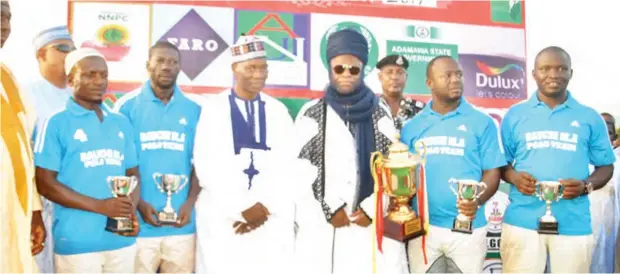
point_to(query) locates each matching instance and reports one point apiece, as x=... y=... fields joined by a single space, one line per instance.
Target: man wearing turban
x=337 y=134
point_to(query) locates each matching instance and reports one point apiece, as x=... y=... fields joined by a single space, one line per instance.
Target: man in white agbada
x=337 y=134
x=50 y=94
x=245 y=211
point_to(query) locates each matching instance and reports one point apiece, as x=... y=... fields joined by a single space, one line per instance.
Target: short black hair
x=429 y=67
x=554 y=49
x=607 y=114
x=163 y=45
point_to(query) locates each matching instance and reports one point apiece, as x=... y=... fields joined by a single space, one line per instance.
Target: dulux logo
x=491 y=77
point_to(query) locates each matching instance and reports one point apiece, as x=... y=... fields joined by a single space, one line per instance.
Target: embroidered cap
x=49 y=35
x=77 y=55
x=248 y=47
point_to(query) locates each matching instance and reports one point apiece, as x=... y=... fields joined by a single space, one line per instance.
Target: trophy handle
x=483 y=188
x=156 y=177
x=109 y=181
x=537 y=191
x=420 y=148
x=185 y=181
x=451 y=182
x=134 y=184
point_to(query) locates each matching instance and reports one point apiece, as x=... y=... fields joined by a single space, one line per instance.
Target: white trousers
x=170 y=254
x=113 y=261
x=468 y=251
x=525 y=251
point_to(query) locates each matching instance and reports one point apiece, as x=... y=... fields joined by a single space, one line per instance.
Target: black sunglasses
x=353 y=70
x=66 y=48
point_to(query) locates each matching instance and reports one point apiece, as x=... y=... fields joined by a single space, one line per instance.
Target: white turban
x=75 y=56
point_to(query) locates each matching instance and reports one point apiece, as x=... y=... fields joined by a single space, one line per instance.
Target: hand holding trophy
x=169 y=184
x=121 y=186
x=465 y=190
x=548 y=191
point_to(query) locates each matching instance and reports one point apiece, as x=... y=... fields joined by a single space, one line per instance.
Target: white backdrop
x=584 y=30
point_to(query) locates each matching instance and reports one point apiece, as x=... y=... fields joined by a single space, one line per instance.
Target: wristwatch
x=588 y=189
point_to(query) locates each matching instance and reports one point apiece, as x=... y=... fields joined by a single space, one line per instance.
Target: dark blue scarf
x=356 y=109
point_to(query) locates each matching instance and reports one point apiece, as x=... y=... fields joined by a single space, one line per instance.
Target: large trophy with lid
x=396 y=175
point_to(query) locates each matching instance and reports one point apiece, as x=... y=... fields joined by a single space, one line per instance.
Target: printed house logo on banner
x=506 y=11
x=198 y=43
x=112 y=38
x=373 y=47
x=287 y=41
x=493 y=77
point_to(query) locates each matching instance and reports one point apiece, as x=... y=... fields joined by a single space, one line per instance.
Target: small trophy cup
x=169 y=184
x=120 y=186
x=398 y=174
x=465 y=190
x=548 y=191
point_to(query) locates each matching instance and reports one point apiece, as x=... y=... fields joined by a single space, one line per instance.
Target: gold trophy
x=549 y=191
x=398 y=174
x=169 y=184
x=465 y=190
x=121 y=186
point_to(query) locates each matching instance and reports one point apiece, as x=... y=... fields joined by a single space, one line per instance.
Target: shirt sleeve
x=490 y=149
x=131 y=155
x=600 y=152
x=508 y=138
x=48 y=149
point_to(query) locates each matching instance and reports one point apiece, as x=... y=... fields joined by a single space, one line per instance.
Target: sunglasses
x=66 y=48
x=353 y=70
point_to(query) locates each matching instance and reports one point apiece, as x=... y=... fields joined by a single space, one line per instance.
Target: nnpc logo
x=492 y=77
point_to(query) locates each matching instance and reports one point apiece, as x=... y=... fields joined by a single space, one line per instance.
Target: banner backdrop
x=488 y=40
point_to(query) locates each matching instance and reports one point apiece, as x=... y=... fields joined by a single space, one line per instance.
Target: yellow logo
x=113 y=34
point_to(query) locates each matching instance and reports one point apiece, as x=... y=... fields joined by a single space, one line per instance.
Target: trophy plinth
x=398 y=174
x=169 y=184
x=549 y=192
x=465 y=190
x=121 y=186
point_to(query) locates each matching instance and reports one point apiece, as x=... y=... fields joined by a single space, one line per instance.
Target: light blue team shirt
x=553 y=144
x=460 y=144
x=165 y=144
x=85 y=151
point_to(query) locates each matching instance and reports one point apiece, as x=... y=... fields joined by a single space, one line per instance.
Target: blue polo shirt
x=85 y=151
x=165 y=144
x=554 y=144
x=460 y=144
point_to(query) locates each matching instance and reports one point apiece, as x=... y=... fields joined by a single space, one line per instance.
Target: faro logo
x=510 y=76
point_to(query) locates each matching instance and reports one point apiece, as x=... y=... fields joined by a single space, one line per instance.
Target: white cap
x=77 y=55
x=248 y=47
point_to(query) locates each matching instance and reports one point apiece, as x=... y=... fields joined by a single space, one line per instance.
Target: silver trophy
x=169 y=184
x=121 y=186
x=465 y=190
x=549 y=191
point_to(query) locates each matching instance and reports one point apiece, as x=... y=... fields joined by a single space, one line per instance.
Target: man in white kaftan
x=337 y=133
x=243 y=161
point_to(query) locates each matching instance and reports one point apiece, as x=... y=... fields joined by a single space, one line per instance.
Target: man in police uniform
x=393 y=77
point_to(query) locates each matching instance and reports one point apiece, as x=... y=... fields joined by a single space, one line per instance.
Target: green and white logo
x=373 y=47
x=507 y=11
x=423 y=32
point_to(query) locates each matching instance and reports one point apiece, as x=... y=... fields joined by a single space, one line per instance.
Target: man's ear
x=71 y=77
x=41 y=54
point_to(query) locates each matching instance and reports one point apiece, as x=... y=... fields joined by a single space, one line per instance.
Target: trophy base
x=167 y=218
x=462 y=226
x=403 y=231
x=116 y=225
x=550 y=228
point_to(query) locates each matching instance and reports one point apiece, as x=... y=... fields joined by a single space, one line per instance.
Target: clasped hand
x=526 y=184
x=254 y=217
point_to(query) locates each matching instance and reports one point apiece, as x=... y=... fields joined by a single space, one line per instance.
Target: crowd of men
x=235 y=185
